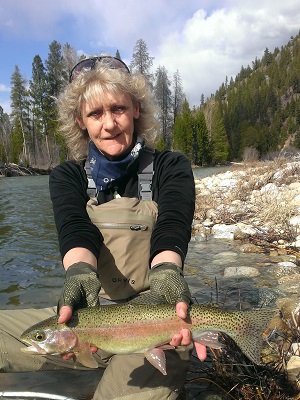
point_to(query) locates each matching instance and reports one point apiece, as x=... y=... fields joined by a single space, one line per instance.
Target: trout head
x=48 y=338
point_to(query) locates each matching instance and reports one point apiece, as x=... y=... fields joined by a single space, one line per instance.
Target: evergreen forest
x=256 y=115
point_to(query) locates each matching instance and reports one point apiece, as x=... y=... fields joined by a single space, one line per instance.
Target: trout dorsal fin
x=84 y=355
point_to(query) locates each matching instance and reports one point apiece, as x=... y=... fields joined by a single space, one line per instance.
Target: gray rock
x=285 y=268
x=222 y=231
x=249 y=272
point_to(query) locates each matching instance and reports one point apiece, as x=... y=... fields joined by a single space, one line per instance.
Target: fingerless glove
x=81 y=287
x=166 y=279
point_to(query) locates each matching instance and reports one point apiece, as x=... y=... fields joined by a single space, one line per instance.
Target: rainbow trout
x=138 y=328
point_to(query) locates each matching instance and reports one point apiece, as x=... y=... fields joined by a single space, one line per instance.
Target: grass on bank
x=269 y=211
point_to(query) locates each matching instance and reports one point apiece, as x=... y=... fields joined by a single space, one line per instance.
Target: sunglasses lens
x=84 y=64
x=113 y=63
x=89 y=63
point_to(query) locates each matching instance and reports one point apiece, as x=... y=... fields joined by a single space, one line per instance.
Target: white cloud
x=5 y=98
x=5 y=104
x=4 y=88
x=211 y=47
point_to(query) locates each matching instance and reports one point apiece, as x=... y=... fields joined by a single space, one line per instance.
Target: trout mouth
x=33 y=349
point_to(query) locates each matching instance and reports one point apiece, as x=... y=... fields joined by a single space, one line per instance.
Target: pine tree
x=220 y=146
x=201 y=145
x=178 y=95
x=57 y=78
x=5 y=136
x=141 y=60
x=20 y=114
x=70 y=58
x=183 y=131
x=56 y=71
x=267 y=58
x=38 y=94
x=118 y=55
x=202 y=100
x=163 y=97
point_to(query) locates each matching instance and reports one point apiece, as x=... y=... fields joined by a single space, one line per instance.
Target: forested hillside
x=255 y=115
x=261 y=107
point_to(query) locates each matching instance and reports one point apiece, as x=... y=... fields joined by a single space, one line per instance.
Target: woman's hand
x=184 y=338
x=80 y=290
x=167 y=280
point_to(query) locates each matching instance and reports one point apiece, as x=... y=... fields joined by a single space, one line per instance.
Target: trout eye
x=40 y=336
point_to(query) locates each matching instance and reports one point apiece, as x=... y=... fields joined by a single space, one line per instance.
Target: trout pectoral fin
x=208 y=338
x=84 y=355
x=157 y=358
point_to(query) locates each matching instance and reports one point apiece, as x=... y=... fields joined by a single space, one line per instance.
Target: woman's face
x=110 y=123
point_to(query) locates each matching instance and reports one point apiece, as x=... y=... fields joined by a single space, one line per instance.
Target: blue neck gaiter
x=105 y=171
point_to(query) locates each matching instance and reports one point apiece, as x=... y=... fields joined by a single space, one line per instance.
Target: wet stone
x=241 y=271
x=290 y=287
x=250 y=248
x=289 y=278
x=285 y=268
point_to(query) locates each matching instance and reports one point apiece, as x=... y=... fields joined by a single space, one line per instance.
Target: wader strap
x=145 y=174
x=92 y=189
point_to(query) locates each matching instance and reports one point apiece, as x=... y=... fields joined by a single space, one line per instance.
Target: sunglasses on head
x=89 y=63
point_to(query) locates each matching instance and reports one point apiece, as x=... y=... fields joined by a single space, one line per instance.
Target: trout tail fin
x=249 y=334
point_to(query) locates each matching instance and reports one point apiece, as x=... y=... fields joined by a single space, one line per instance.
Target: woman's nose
x=108 y=119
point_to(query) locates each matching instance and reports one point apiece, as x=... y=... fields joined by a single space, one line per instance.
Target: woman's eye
x=118 y=110
x=96 y=114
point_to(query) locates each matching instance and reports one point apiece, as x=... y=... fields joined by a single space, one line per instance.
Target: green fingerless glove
x=167 y=279
x=81 y=287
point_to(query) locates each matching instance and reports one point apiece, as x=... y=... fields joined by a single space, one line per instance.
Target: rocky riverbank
x=259 y=205
x=11 y=169
x=259 y=201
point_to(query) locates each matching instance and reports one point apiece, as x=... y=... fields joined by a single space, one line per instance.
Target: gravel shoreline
x=258 y=204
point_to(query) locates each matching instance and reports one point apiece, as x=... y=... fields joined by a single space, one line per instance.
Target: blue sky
x=206 y=40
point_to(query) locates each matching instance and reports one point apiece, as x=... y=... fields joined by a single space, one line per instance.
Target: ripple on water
x=204 y=270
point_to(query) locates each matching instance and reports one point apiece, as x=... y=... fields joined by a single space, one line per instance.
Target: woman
x=108 y=112
x=107 y=117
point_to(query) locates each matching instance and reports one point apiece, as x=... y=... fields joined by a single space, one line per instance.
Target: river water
x=31 y=274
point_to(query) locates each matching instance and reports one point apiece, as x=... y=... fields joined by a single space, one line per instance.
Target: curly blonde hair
x=90 y=86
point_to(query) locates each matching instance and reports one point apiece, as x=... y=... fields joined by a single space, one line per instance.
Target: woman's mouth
x=112 y=137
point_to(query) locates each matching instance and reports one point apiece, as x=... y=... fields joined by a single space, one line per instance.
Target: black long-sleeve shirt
x=173 y=189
